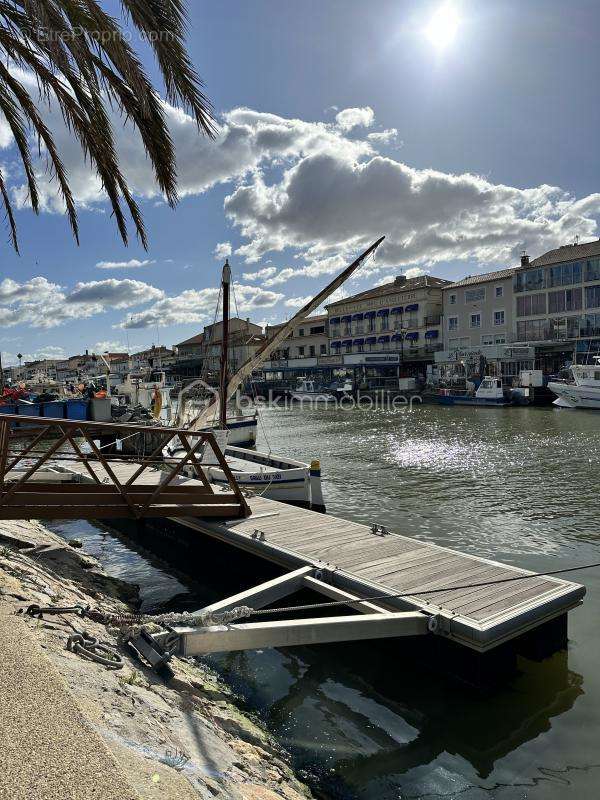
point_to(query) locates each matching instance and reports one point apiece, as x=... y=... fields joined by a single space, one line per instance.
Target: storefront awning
x=397 y=310
x=369 y=314
x=383 y=339
x=347 y=343
x=432 y=334
x=383 y=312
x=336 y=344
x=397 y=337
x=371 y=339
x=357 y=316
x=347 y=318
x=334 y=321
x=359 y=341
x=414 y=335
x=412 y=307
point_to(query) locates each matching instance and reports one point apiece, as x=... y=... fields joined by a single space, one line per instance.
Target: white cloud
x=40 y=303
x=109 y=346
x=265 y=272
x=387 y=136
x=198 y=306
x=132 y=263
x=325 y=205
x=297 y=302
x=222 y=250
x=329 y=195
x=49 y=351
x=351 y=118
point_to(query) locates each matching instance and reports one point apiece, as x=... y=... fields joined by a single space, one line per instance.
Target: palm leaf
x=83 y=63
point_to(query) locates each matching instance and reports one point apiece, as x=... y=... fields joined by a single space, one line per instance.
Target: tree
x=82 y=61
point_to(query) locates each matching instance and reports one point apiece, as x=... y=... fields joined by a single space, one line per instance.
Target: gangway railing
x=118 y=486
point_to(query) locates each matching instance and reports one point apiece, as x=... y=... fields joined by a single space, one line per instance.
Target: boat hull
x=241 y=431
x=573 y=396
x=465 y=400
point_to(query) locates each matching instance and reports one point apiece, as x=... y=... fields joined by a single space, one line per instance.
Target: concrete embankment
x=73 y=729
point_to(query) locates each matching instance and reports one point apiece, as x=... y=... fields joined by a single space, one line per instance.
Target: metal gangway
x=33 y=485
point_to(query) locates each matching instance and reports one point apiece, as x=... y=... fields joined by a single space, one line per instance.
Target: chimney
x=524 y=259
x=399 y=280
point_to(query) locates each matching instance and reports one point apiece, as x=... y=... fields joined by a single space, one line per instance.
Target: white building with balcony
x=400 y=319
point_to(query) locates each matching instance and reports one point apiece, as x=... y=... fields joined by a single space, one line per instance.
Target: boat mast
x=225 y=284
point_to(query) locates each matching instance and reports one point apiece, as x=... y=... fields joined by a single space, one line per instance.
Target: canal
x=517 y=485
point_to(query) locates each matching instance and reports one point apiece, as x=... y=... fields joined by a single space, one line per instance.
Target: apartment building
x=478 y=315
x=478 y=310
x=400 y=320
x=557 y=303
x=308 y=339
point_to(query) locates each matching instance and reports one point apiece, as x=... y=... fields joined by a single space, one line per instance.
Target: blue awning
x=432 y=334
x=397 y=337
x=359 y=341
x=334 y=321
x=369 y=314
x=336 y=344
x=412 y=307
x=414 y=335
x=383 y=312
x=383 y=339
x=397 y=310
x=371 y=339
x=357 y=316
x=347 y=343
x=347 y=318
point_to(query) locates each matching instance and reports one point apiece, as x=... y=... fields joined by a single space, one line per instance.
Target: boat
x=583 y=391
x=307 y=390
x=490 y=392
x=268 y=474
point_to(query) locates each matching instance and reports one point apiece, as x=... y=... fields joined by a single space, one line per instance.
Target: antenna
x=577 y=239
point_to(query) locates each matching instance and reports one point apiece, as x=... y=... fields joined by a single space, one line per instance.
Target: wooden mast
x=225 y=284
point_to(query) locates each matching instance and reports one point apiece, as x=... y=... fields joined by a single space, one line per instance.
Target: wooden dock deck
x=352 y=557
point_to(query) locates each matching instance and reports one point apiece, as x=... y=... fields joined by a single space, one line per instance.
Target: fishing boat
x=583 y=391
x=268 y=474
x=490 y=392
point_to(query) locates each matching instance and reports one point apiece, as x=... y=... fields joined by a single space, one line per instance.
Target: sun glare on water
x=443 y=26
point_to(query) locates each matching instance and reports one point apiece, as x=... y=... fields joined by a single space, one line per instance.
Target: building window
x=335 y=332
x=592 y=269
x=592 y=296
x=476 y=320
x=486 y=341
x=300 y=351
x=301 y=332
x=323 y=349
x=371 y=324
x=500 y=339
x=565 y=274
x=311 y=350
x=531 y=304
x=473 y=295
x=452 y=323
x=452 y=299
x=499 y=291
x=498 y=317
x=564 y=300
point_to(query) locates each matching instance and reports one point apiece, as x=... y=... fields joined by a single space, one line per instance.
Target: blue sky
x=340 y=121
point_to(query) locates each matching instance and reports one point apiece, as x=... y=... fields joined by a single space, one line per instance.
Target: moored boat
x=583 y=391
x=490 y=393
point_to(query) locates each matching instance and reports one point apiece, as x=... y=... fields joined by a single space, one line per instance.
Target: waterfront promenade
x=47 y=749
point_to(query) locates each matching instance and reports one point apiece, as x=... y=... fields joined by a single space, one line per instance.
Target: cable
x=337 y=603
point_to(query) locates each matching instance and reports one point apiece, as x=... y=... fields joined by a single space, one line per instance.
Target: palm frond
x=84 y=64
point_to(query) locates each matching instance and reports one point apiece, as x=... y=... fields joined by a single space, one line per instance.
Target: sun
x=443 y=26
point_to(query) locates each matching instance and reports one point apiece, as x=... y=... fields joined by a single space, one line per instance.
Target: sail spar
x=273 y=343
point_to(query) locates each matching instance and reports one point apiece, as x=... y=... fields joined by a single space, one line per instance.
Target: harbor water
x=518 y=485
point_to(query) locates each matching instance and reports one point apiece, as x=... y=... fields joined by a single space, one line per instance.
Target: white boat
x=583 y=392
x=271 y=476
x=306 y=390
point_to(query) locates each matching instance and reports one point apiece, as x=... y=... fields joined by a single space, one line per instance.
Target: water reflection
x=364 y=728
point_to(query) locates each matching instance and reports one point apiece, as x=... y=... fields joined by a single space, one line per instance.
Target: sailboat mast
x=225 y=283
